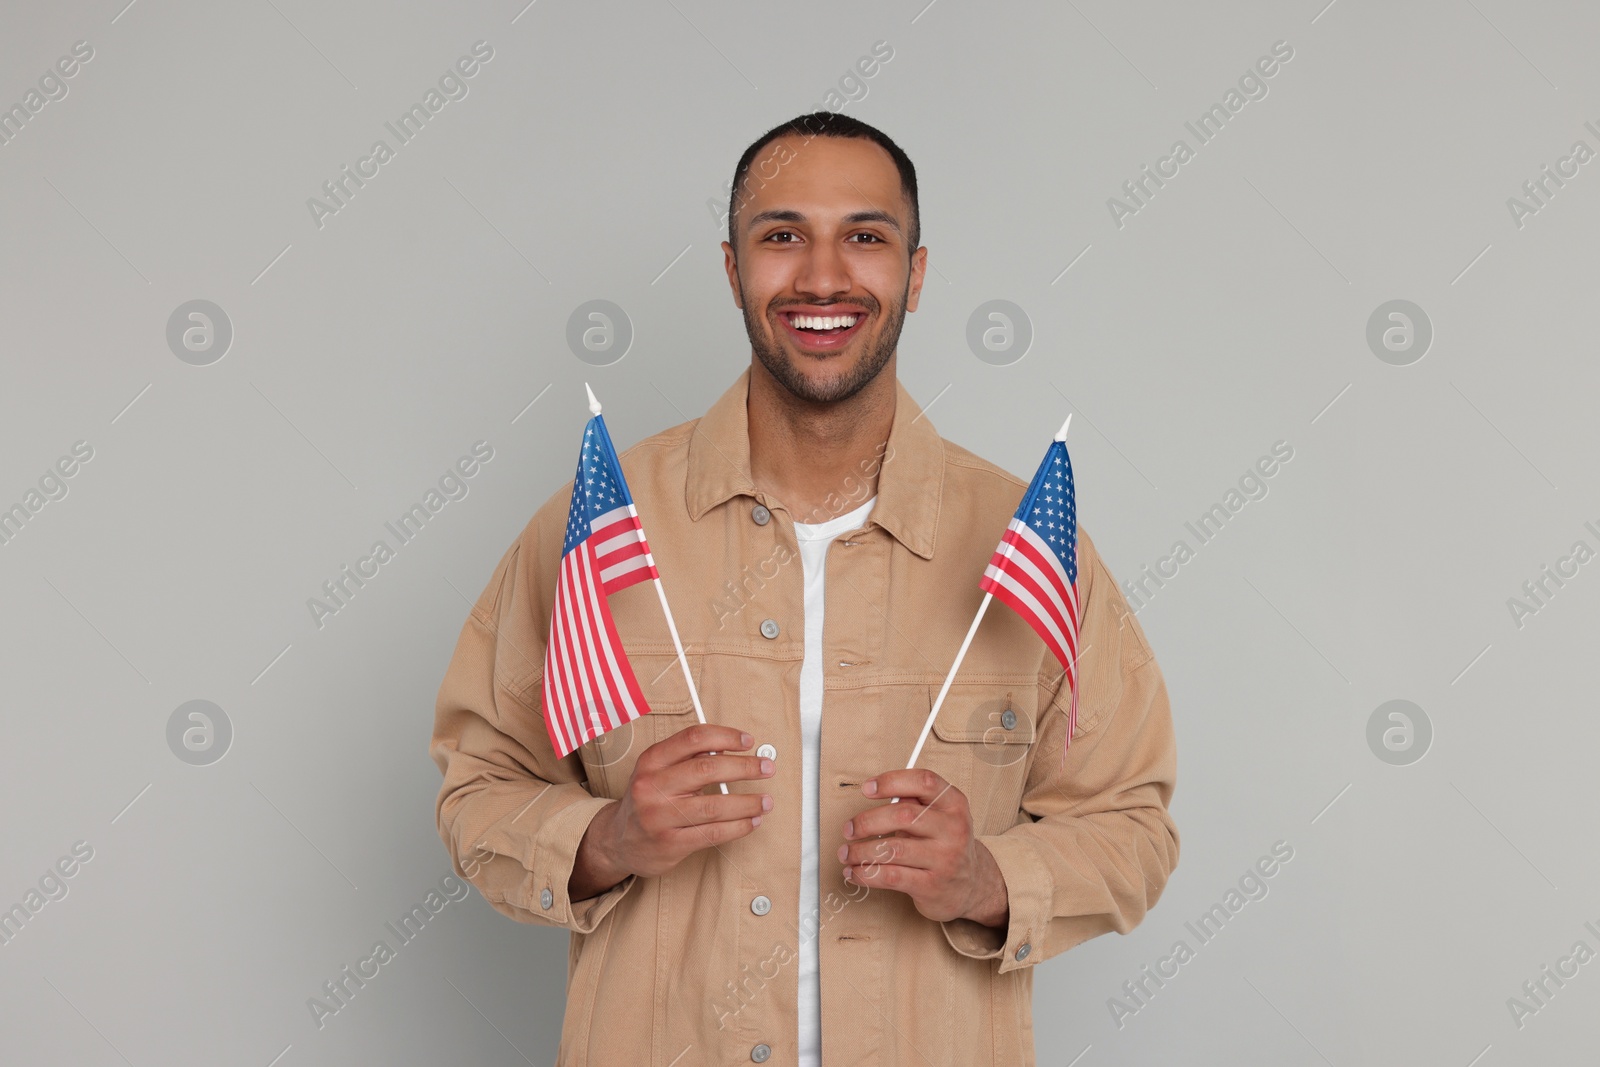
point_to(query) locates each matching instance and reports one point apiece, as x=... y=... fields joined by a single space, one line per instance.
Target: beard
x=781 y=364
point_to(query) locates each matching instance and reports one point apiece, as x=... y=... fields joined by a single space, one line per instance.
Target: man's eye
x=869 y=236
x=781 y=233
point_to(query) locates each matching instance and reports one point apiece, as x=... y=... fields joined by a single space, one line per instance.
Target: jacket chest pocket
x=608 y=760
x=985 y=736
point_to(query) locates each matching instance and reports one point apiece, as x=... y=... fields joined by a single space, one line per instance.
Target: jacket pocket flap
x=661 y=680
x=988 y=713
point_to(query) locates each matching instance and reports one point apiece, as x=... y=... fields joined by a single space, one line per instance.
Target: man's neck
x=820 y=460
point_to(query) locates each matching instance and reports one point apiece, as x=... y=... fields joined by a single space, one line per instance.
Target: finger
x=920 y=853
x=711 y=834
x=909 y=817
x=677 y=812
x=695 y=772
x=915 y=783
x=907 y=880
x=692 y=740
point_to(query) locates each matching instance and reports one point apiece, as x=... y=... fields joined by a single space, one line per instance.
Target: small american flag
x=1035 y=569
x=589 y=686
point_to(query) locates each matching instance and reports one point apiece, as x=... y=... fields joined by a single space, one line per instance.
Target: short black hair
x=826 y=124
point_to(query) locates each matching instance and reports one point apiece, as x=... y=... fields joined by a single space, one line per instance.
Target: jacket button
x=1022 y=953
x=767 y=752
x=546 y=899
x=761 y=905
x=761 y=515
x=1008 y=719
x=760 y=1053
x=769 y=628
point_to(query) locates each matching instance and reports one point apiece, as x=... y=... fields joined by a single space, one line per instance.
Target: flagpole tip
x=1061 y=434
x=594 y=405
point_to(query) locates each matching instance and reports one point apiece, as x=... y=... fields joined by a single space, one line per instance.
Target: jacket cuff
x=1029 y=891
x=555 y=851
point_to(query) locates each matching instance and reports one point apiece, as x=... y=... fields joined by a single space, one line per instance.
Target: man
x=822 y=546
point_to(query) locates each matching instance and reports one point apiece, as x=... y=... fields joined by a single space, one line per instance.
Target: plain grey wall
x=372 y=347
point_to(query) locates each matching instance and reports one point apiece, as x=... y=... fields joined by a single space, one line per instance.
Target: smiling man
x=801 y=918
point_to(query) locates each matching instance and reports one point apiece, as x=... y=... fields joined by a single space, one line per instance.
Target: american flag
x=1035 y=569
x=589 y=687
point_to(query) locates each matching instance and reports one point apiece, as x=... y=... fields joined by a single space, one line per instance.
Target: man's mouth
x=822 y=333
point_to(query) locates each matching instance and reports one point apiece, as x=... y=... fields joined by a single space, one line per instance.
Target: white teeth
x=823 y=322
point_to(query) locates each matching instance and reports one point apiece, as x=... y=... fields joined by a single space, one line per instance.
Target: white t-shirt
x=813 y=539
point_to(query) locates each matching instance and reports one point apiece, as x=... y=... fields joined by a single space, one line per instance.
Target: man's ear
x=731 y=265
x=919 y=270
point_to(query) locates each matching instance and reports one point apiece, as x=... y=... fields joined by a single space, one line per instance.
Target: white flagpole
x=683 y=662
x=938 y=701
x=672 y=627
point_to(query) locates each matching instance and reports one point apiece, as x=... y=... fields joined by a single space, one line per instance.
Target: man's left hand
x=928 y=851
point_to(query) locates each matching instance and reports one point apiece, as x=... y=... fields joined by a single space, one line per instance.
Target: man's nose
x=823 y=271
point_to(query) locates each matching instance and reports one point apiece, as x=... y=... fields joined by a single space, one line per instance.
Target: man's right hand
x=663 y=816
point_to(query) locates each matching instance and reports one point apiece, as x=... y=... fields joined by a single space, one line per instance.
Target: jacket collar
x=910 y=477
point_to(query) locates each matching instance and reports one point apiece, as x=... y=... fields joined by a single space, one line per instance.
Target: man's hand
x=663 y=816
x=930 y=854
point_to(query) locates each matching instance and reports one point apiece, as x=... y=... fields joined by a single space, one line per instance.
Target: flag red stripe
x=612 y=556
x=615 y=522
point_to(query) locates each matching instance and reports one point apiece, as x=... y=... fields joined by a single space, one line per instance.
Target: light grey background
x=368 y=354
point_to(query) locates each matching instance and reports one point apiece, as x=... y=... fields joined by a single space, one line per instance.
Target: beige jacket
x=691 y=968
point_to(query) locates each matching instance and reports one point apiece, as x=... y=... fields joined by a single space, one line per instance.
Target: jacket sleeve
x=1094 y=843
x=511 y=813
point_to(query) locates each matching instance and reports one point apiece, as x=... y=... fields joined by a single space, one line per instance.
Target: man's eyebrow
x=873 y=216
x=852 y=219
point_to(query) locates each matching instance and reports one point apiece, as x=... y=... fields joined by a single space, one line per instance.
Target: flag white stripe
x=606 y=518
x=632 y=563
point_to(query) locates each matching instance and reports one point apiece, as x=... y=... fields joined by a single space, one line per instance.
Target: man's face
x=824 y=271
